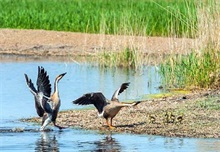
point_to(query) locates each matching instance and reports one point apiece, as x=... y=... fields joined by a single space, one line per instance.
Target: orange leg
x=107 y=122
x=110 y=125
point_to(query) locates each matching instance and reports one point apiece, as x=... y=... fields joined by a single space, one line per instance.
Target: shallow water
x=79 y=79
x=79 y=140
x=17 y=102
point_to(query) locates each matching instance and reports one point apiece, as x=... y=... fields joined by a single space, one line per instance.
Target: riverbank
x=43 y=43
x=199 y=112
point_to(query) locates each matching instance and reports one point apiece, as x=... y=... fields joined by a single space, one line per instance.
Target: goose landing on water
x=106 y=108
x=47 y=105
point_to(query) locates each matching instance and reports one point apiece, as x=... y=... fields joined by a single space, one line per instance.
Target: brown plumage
x=47 y=105
x=106 y=108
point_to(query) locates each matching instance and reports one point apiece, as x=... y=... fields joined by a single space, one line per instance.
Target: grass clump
x=126 y=58
x=192 y=70
x=209 y=103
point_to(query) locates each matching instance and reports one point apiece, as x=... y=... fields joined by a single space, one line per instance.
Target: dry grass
x=209 y=25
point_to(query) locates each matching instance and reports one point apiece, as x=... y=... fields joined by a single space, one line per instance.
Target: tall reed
x=173 y=19
x=127 y=58
x=192 y=70
x=200 y=68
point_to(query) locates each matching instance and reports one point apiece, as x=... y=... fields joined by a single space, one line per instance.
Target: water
x=17 y=102
x=79 y=79
x=79 y=140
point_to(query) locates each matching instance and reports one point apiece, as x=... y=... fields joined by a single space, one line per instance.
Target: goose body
x=106 y=108
x=47 y=105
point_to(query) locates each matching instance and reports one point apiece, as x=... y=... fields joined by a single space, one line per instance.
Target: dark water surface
x=17 y=102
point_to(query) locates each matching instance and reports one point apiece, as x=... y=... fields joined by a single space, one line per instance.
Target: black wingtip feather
x=29 y=83
x=97 y=99
x=26 y=77
x=83 y=100
x=137 y=102
x=124 y=86
x=43 y=82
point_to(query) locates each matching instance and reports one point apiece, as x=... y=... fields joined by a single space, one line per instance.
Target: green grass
x=200 y=68
x=131 y=17
x=211 y=103
x=125 y=58
x=192 y=70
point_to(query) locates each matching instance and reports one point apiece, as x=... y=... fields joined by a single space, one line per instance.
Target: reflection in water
x=172 y=143
x=47 y=142
x=107 y=144
x=104 y=144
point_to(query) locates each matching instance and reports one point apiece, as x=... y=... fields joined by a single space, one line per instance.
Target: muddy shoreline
x=58 y=43
x=199 y=110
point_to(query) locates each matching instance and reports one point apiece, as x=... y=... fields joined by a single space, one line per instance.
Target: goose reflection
x=107 y=144
x=47 y=142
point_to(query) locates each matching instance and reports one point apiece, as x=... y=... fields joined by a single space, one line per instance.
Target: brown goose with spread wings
x=47 y=105
x=106 y=108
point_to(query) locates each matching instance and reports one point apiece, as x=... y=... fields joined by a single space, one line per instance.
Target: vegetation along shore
x=184 y=46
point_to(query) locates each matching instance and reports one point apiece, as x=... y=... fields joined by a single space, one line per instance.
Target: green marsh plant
x=128 y=58
x=192 y=70
x=200 y=68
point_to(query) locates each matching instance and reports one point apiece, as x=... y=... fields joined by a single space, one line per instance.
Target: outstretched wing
x=97 y=99
x=119 y=90
x=43 y=82
x=30 y=85
x=38 y=97
x=44 y=88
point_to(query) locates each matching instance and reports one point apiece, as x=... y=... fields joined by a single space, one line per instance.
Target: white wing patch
x=101 y=114
x=40 y=97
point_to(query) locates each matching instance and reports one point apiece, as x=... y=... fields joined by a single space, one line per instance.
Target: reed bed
x=125 y=58
x=200 y=68
x=192 y=71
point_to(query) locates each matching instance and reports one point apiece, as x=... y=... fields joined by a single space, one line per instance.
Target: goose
x=179 y=118
x=106 y=108
x=169 y=117
x=46 y=105
x=152 y=119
